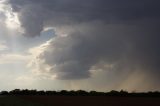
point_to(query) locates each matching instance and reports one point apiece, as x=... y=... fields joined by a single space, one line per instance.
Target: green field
x=15 y=101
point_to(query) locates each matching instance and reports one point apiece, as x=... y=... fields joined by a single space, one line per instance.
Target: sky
x=98 y=45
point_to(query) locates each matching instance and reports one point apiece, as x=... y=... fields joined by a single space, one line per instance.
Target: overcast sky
x=80 y=44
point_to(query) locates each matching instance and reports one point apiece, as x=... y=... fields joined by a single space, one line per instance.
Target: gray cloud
x=127 y=47
x=35 y=15
x=122 y=33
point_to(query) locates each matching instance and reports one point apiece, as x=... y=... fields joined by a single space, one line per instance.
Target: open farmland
x=92 y=101
x=16 y=101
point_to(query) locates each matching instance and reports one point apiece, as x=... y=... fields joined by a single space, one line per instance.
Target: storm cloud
x=113 y=35
x=36 y=15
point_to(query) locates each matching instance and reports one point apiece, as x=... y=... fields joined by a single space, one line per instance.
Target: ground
x=16 y=101
x=77 y=101
x=93 y=101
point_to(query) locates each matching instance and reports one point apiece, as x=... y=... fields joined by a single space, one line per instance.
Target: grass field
x=16 y=101
x=77 y=101
x=93 y=101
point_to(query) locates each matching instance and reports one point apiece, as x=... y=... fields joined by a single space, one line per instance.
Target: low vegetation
x=16 y=101
x=80 y=93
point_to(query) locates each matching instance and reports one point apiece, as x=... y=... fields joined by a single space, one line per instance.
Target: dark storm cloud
x=128 y=48
x=122 y=33
x=35 y=15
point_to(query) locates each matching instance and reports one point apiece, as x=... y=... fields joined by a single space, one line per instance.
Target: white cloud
x=24 y=80
x=13 y=58
x=3 y=46
x=9 y=21
x=12 y=20
x=37 y=65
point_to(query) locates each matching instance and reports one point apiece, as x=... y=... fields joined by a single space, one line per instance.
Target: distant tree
x=15 y=92
x=4 y=93
x=41 y=92
x=124 y=93
x=81 y=93
x=94 y=93
x=72 y=93
x=51 y=93
x=33 y=92
x=64 y=92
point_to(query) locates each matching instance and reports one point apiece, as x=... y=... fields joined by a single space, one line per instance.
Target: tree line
x=80 y=93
